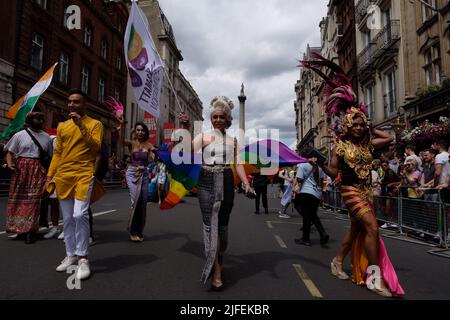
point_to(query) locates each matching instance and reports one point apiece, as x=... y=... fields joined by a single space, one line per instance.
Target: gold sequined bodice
x=356 y=157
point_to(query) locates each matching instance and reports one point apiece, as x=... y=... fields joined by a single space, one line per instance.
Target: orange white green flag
x=18 y=112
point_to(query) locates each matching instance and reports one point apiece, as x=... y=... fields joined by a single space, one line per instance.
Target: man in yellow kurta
x=78 y=142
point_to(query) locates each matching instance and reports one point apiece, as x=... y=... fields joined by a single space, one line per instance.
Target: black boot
x=324 y=239
x=30 y=238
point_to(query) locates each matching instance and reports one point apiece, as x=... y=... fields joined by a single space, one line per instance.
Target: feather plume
x=117 y=109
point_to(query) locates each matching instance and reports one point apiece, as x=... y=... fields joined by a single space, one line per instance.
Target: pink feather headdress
x=116 y=108
x=340 y=99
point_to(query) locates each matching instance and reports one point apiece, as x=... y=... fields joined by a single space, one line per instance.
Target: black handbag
x=44 y=157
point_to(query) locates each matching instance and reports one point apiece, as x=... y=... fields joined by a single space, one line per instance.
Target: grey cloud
x=226 y=42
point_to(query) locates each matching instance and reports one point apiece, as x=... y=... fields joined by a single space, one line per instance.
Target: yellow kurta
x=73 y=162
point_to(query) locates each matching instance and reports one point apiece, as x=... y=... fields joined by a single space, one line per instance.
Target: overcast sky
x=257 y=42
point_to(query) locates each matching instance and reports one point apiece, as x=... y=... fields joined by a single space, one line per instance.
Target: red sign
x=169 y=128
x=150 y=121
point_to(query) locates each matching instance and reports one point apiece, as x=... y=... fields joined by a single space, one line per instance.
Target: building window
x=104 y=49
x=437 y=63
x=101 y=90
x=433 y=66
x=63 y=68
x=428 y=67
x=119 y=61
x=390 y=96
x=87 y=39
x=85 y=80
x=37 y=51
x=42 y=3
x=117 y=93
x=427 y=12
x=369 y=98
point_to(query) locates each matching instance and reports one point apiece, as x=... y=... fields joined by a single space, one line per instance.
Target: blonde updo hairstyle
x=224 y=104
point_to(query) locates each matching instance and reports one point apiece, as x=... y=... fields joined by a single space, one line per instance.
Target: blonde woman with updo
x=216 y=185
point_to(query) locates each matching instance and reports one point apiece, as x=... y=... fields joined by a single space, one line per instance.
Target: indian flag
x=18 y=112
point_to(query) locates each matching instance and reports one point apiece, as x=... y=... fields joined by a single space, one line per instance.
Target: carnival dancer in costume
x=137 y=180
x=352 y=157
x=216 y=185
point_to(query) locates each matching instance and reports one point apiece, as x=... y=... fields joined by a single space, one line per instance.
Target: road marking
x=269 y=224
x=103 y=213
x=307 y=281
x=280 y=241
x=61 y=221
x=284 y=222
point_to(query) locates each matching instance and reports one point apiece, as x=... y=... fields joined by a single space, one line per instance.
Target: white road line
x=103 y=213
x=307 y=281
x=284 y=222
x=61 y=221
x=269 y=224
x=280 y=241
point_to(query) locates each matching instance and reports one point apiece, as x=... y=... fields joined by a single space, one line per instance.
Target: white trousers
x=76 y=224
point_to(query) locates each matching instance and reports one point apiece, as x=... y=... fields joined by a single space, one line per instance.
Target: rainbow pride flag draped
x=18 y=112
x=184 y=177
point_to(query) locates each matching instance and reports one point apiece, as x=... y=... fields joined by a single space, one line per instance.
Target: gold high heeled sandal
x=335 y=271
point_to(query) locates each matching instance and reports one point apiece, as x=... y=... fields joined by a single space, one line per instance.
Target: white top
x=215 y=149
x=218 y=153
x=310 y=186
x=442 y=159
x=23 y=146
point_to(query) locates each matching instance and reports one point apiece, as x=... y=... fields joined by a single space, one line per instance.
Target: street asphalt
x=262 y=261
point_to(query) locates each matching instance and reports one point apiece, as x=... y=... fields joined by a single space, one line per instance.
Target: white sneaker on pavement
x=66 y=263
x=61 y=236
x=51 y=233
x=393 y=225
x=384 y=226
x=284 y=216
x=83 y=271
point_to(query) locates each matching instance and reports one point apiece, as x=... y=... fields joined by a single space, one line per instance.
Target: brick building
x=90 y=58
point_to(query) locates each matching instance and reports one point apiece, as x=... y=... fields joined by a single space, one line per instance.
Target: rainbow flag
x=184 y=177
x=18 y=112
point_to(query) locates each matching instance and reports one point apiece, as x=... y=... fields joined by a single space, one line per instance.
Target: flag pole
x=165 y=71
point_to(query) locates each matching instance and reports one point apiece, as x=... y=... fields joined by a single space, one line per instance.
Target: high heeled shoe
x=134 y=238
x=379 y=287
x=335 y=271
x=216 y=285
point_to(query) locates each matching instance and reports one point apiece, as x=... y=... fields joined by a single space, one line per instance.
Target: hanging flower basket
x=424 y=135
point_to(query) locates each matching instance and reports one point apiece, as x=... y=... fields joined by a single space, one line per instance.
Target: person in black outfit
x=101 y=168
x=260 y=183
x=310 y=178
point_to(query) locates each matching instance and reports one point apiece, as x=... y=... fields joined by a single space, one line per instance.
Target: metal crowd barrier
x=427 y=217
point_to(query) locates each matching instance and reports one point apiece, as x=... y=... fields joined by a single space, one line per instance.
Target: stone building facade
x=177 y=92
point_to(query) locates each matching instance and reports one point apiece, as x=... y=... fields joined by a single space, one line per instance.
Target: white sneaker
x=83 y=271
x=61 y=236
x=92 y=241
x=66 y=263
x=52 y=233
x=284 y=216
x=384 y=226
x=393 y=225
